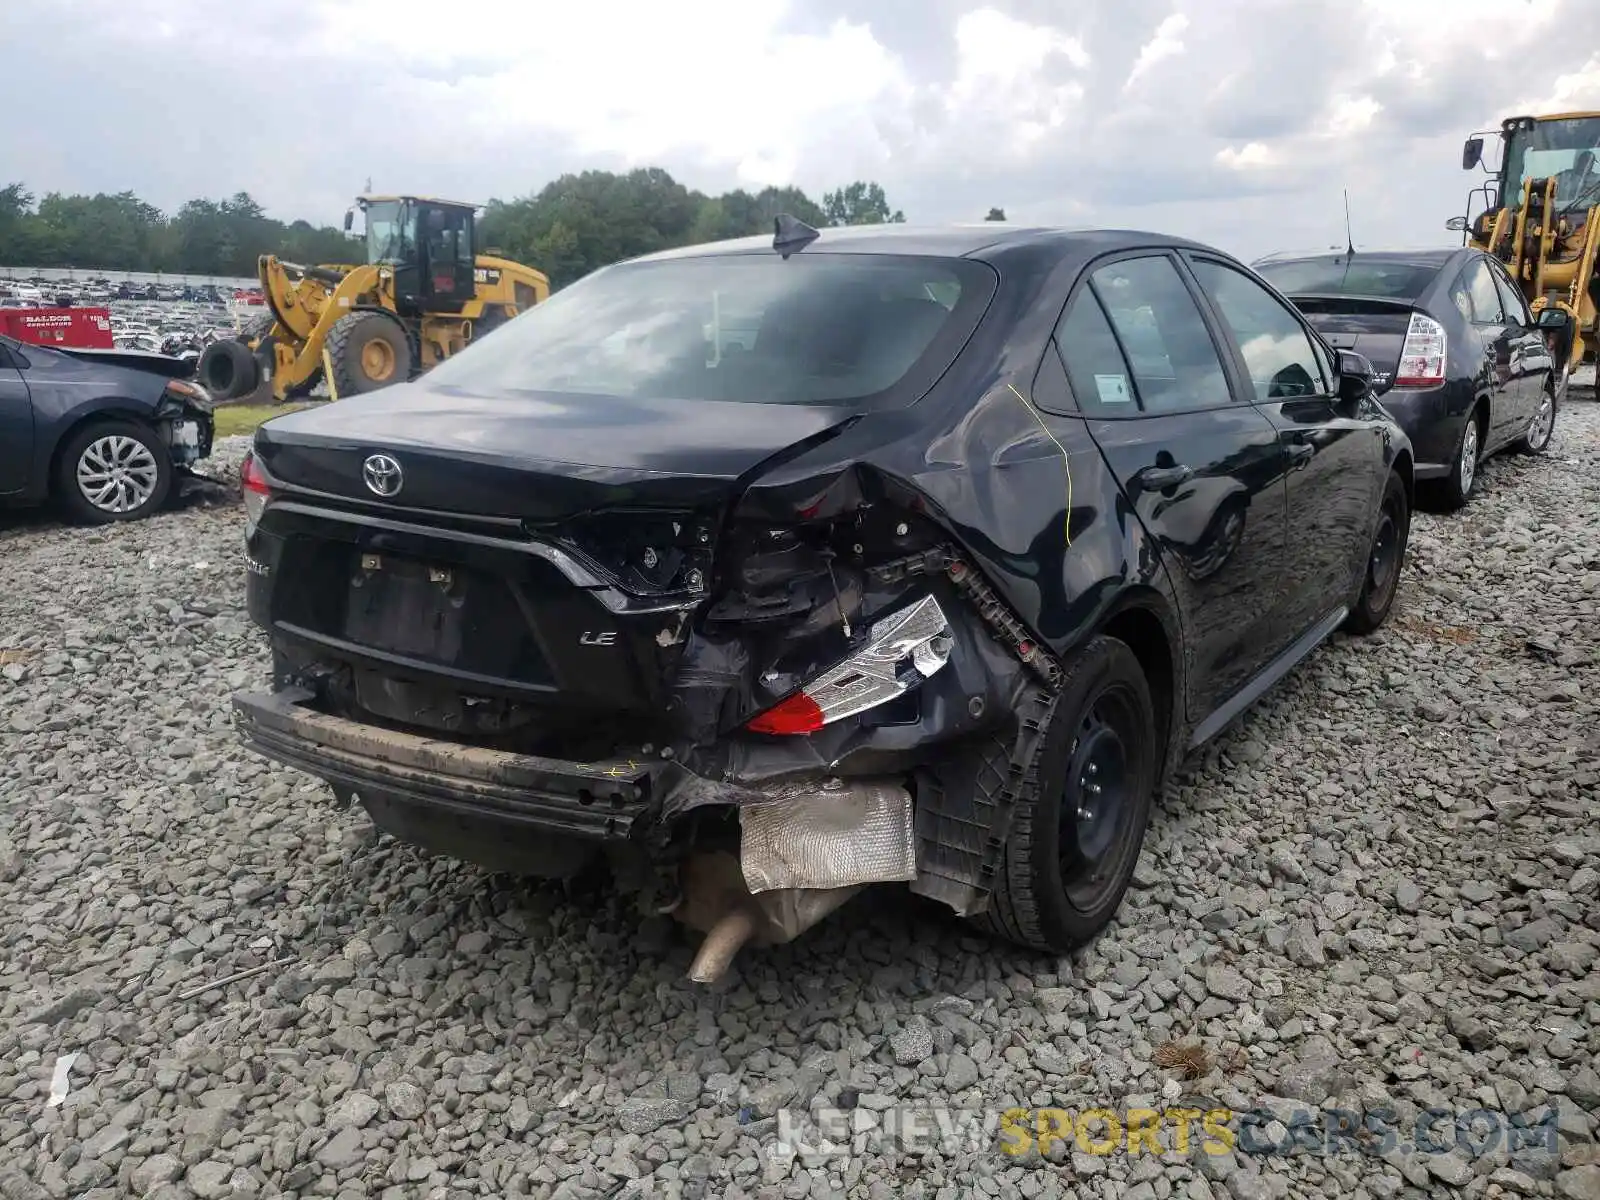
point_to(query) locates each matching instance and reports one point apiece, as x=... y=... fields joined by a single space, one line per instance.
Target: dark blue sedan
x=100 y=432
x=1459 y=361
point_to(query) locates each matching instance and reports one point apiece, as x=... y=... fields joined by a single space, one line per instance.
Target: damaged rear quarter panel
x=978 y=457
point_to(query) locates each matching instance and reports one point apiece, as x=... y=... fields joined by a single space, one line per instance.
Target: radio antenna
x=1349 y=239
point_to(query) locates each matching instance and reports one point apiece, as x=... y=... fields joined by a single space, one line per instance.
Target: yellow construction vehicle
x=420 y=297
x=1539 y=213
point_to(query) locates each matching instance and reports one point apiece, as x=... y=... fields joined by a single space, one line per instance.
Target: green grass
x=234 y=419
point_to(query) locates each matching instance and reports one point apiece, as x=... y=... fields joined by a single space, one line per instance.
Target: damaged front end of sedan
x=750 y=722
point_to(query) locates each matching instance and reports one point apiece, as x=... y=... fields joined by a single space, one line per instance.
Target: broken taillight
x=1422 y=358
x=902 y=650
x=255 y=489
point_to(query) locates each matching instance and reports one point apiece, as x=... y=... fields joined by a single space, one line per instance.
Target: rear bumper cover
x=597 y=802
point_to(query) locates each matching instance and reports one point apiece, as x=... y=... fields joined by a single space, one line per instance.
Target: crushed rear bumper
x=446 y=795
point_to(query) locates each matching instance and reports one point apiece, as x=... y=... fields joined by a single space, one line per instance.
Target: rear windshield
x=1338 y=277
x=813 y=329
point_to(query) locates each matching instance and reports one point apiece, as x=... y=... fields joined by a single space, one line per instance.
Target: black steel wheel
x=1085 y=804
x=1385 y=560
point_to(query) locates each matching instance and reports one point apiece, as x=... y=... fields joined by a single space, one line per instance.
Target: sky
x=1237 y=122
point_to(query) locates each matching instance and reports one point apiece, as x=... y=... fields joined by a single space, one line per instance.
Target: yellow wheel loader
x=1539 y=213
x=422 y=295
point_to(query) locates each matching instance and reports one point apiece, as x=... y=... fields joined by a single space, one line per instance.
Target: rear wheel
x=1385 y=560
x=1080 y=820
x=369 y=351
x=1456 y=488
x=1542 y=425
x=113 y=471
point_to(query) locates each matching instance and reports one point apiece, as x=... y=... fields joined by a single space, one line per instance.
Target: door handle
x=1300 y=453
x=1159 y=479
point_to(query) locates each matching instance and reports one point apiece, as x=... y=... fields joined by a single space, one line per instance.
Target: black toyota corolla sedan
x=1458 y=359
x=775 y=568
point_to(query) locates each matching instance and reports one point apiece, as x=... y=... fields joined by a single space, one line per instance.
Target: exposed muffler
x=803 y=853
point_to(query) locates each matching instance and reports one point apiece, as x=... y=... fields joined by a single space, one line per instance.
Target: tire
x=369 y=351
x=1062 y=878
x=96 y=451
x=1542 y=425
x=228 y=370
x=1456 y=488
x=1385 y=560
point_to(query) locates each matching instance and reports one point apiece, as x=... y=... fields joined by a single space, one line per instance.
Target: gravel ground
x=1377 y=894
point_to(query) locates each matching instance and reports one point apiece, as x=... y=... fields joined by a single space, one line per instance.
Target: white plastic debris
x=59 y=1086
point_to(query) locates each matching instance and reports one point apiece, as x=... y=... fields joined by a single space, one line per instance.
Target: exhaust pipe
x=715 y=900
x=723 y=942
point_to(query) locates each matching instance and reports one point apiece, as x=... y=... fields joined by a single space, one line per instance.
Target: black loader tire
x=348 y=344
x=228 y=370
x=1031 y=904
x=1378 y=588
x=69 y=494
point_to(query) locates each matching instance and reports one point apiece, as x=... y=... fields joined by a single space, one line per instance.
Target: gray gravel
x=1378 y=893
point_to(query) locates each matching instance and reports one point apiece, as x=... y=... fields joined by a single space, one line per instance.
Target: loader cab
x=429 y=245
x=1564 y=147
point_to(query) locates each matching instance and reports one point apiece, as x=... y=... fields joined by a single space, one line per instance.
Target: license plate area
x=410 y=608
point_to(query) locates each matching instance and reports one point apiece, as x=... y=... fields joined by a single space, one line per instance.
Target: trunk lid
x=534 y=457
x=1369 y=325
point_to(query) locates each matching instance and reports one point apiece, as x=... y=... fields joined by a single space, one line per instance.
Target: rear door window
x=1099 y=375
x=1161 y=336
x=1516 y=308
x=1275 y=346
x=1484 y=295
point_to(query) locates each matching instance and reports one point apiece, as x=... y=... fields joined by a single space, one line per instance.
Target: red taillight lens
x=900 y=651
x=254 y=488
x=798 y=714
x=1422 y=358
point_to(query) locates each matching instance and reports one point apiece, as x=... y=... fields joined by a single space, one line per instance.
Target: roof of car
x=940 y=241
x=1432 y=256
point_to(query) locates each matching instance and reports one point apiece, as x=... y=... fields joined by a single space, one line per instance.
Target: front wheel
x=1385 y=559
x=369 y=351
x=1085 y=802
x=1542 y=425
x=113 y=471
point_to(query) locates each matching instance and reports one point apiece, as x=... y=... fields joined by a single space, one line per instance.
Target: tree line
x=572 y=226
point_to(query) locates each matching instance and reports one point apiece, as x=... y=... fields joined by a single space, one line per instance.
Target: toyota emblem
x=383 y=475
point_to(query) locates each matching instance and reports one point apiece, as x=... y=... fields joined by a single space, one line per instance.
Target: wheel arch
x=1142 y=620
x=1406 y=467
x=109 y=409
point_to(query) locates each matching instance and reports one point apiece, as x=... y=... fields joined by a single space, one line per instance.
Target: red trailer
x=81 y=328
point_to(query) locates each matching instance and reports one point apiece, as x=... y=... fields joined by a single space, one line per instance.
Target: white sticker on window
x=1113 y=389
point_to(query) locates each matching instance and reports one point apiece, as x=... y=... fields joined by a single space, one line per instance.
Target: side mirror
x=1471 y=153
x=349 y=219
x=1456 y=223
x=1355 y=376
x=1553 y=318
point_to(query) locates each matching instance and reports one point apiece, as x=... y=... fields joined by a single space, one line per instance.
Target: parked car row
x=767 y=570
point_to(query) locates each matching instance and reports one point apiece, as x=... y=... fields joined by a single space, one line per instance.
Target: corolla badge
x=383 y=475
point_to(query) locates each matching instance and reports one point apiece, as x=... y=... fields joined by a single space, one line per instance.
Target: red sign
x=82 y=328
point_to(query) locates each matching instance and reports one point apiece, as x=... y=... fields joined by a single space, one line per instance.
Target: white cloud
x=1166 y=43
x=1246 y=157
x=1237 y=121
